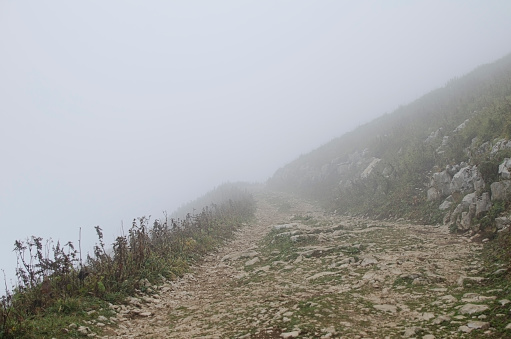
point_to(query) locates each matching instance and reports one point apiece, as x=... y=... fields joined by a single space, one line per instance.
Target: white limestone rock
x=472 y=308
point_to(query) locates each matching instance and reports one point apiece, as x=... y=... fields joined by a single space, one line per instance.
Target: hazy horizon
x=112 y=111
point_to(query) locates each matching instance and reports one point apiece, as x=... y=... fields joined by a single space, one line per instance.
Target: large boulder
x=433 y=194
x=467 y=179
x=468 y=200
x=479 y=184
x=446 y=204
x=483 y=204
x=484 y=148
x=441 y=182
x=465 y=222
x=445 y=142
x=465 y=212
x=501 y=190
x=505 y=169
x=452 y=170
x=370 y=168
x=500 y=145
x=502 y=222
x=456 y=213
x=461 y=126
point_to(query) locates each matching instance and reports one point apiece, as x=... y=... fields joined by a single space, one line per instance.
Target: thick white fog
x=111 y=110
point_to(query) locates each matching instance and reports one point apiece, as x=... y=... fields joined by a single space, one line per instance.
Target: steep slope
x=391 y=166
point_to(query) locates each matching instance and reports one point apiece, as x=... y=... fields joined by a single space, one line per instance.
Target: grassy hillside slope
x=384 y=168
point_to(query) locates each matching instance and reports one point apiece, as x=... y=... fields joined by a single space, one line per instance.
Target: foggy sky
x=111 y=110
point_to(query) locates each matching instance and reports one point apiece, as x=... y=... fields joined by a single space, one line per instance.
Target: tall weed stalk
x=50 y=274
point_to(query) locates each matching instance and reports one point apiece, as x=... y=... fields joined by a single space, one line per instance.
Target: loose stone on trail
x=302 y=273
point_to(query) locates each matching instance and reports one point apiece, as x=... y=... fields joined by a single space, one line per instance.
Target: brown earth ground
x=296 y=271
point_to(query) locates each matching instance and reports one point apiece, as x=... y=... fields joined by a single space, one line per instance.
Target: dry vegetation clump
x=55 y=288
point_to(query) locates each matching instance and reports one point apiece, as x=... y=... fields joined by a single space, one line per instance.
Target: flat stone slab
x=368 y=261
x=386 y=308
x=237 y=256
x=285 y=226
x=252 y=261
x=287 y=335
x=480 y=325
x=320 y=275
x=472 y=308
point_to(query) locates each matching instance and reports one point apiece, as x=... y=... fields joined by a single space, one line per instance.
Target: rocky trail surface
x=296 y=272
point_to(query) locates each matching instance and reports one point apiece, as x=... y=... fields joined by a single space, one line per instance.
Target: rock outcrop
x=505 y=169
x=500 y=190
x=466 y=179
x=474 y=196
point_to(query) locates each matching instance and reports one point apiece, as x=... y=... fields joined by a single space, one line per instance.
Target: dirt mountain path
x=297 y=272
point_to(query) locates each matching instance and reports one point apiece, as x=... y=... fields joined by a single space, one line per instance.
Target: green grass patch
x=55 y=288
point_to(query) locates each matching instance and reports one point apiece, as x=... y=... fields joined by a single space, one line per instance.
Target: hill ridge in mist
x=390 y=166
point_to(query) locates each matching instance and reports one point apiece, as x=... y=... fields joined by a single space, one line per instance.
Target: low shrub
x=53 y=282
